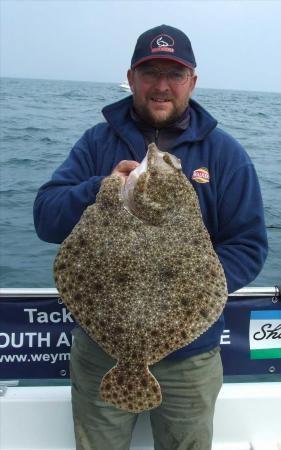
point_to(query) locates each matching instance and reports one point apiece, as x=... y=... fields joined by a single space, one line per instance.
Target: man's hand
x=124 y=168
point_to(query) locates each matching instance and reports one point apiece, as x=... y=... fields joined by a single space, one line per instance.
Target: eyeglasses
x=174 y=76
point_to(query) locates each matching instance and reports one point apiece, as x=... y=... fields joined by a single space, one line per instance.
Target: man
x=160 y=110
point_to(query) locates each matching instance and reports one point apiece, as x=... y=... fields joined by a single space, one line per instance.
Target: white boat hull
x=247 y=417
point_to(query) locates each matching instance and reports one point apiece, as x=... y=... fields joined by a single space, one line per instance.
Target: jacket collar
x=118 y=116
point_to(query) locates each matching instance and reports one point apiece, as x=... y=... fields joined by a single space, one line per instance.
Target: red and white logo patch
x=162 y=43
x=201 y=175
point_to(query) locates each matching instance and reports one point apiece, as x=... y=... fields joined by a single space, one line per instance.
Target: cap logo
x=162 y=43
x=201 y=175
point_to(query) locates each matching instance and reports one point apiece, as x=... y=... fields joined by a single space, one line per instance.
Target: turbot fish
x=140 y=275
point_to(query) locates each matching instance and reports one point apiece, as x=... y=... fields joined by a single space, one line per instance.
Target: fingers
x=124 y=168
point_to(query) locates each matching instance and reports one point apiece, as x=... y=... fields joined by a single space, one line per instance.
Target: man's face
x=161 y=98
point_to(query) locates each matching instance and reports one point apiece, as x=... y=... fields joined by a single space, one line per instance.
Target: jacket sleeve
x=60 y=202
x=241 y=242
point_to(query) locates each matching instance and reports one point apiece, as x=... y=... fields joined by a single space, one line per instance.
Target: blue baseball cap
x=163 y=42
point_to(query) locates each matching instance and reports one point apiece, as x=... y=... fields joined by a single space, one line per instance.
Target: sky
x=237 y=43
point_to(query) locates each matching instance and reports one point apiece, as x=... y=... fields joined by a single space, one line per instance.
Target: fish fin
x=132 y=388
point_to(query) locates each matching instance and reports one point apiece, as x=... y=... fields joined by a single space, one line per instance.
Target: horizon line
x=118 y=82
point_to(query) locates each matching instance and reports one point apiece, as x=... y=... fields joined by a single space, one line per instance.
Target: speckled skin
x=145 y=284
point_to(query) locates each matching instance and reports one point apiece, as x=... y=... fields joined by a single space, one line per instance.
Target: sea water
x=42 y=119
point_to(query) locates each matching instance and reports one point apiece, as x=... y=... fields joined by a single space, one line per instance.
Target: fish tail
x=131 y=387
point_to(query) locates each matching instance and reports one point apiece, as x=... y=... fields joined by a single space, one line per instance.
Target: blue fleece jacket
x=230 y=199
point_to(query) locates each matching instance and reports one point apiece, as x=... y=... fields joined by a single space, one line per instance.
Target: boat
x=35 y=340
x=125 y=86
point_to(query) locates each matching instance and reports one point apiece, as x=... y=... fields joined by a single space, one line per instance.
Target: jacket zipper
x=156 y=136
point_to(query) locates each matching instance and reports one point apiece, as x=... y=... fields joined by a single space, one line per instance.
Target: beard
x=159 y=119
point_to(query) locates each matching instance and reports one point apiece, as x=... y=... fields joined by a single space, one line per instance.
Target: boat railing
x=255 y=291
